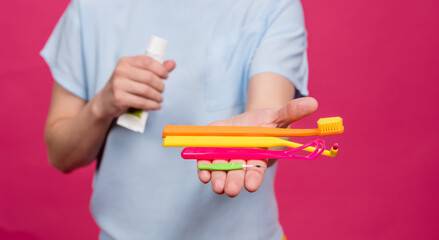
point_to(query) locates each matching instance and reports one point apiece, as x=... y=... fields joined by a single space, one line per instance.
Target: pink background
x=375 y=63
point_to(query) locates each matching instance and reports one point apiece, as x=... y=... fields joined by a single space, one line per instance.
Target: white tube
x=135 y=119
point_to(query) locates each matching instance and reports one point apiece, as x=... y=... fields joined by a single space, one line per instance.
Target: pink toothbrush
x=209 y=153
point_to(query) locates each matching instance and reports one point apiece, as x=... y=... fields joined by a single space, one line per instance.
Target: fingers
x=234 y=180
x=144 y=77
x=130 y=100
x=143 y=90
x=254 y=176
x=218 y=180
x=148 y=63
x=294 y=110
x=203 y=175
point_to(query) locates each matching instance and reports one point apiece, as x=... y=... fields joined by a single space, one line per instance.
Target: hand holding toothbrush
x=231 y=182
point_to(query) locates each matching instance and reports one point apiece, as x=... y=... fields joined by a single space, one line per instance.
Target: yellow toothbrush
x=248 y=142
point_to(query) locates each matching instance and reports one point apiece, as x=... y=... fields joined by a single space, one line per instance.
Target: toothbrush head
x=334 y=149
x=329 y=126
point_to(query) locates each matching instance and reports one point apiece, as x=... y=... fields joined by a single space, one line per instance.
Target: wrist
x=97 y=110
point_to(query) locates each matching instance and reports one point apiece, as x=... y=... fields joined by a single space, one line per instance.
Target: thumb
x=294 y=110
x=169 y=65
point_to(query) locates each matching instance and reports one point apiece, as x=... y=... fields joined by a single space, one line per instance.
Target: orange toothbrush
x=326 y=126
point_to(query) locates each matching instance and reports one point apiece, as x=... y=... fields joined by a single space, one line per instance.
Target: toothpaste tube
x=135 y=119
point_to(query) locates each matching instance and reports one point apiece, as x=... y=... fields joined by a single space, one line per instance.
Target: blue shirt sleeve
x=63 y=52
x=282 y=49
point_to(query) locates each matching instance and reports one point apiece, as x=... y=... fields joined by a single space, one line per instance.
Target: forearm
x=268 y=90
x=75 y=141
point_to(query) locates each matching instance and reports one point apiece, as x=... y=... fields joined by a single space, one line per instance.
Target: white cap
x=157 y=45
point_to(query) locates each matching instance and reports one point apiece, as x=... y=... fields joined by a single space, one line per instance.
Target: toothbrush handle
x=230 y=153
x=215 y=141
x=251 y=153
x=329 y=153
x=190 y=130
x=246 y=142
x=221 y=166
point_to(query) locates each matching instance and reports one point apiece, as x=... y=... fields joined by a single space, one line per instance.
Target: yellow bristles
x=330 y=125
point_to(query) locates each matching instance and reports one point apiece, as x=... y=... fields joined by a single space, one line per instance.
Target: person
x=238 y=63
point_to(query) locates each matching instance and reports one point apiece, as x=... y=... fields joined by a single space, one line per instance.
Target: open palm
x=231 y=182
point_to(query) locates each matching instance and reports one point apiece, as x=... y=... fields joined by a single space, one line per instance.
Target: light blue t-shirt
x=145 y=191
